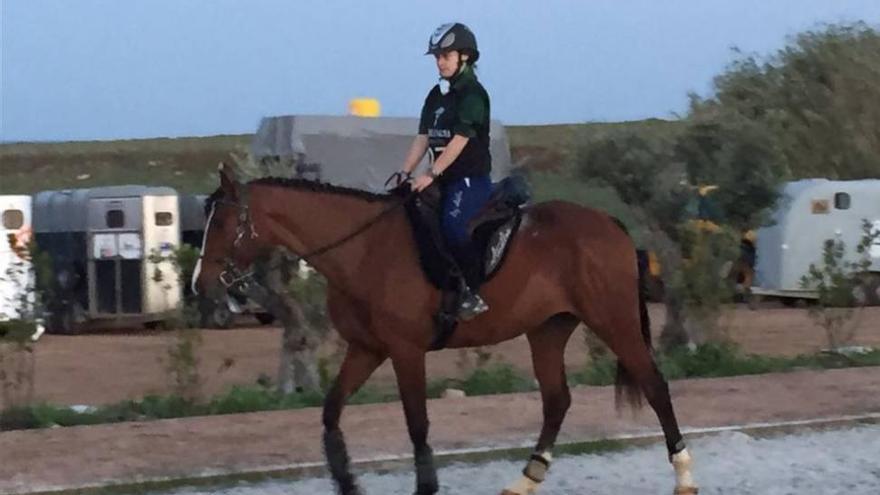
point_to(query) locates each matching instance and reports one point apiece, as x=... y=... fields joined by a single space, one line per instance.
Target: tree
x=656 y=177
x=280 y=292
x=22 y=326
x=811 y=99
x=802 y=112
x=298 y=303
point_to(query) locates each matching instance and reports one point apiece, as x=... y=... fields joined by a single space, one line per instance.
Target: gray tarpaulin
x=358 y=152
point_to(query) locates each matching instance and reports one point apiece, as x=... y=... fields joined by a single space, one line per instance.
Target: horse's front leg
x=409 y=366
x=358 y=365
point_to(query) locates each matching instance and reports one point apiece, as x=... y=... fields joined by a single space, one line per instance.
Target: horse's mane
x=321 y=187
x=304 y=185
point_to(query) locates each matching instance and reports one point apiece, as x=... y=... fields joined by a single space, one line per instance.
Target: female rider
x=454 y=129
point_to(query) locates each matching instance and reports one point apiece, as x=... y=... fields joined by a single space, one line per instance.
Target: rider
x=454 y=129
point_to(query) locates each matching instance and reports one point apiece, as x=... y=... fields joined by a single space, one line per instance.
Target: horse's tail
x=625 y=387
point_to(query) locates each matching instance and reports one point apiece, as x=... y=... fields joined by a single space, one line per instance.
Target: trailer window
x=115 y=219
x=819 y=206
x=13 y=219
x=164 y=218
x=842 y=201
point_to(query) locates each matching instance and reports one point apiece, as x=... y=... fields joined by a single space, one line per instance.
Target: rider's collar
x=466 y=73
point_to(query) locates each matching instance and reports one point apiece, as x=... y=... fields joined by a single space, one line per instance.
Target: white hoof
x=522 y=486
x=684 y=480
x=536 y=469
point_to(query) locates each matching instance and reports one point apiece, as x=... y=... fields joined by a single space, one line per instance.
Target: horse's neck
x=307 y=221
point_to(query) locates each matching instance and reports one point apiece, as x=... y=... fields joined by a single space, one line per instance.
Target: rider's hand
x=397 y=179
x=422 y=182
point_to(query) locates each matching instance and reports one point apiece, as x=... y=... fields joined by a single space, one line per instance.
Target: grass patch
x=721 y=360
x=495 y=379
x=709 y=360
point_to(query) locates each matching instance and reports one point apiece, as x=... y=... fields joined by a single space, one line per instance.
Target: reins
x=232 y=276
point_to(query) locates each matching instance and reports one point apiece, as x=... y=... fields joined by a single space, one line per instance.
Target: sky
x=111 y=69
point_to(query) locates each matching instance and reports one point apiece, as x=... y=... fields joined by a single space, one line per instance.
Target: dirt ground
x=108 y=367
x=127 y=452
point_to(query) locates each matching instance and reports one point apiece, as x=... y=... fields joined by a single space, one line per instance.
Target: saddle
x=492 y=231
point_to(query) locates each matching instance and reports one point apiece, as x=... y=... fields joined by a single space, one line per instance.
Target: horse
x=567 y=264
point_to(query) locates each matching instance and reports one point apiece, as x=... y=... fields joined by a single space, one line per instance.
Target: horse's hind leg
x=639 y=372
x=357 y=366
x=548 y=348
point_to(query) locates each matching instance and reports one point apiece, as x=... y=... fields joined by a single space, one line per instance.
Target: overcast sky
x=106 y=69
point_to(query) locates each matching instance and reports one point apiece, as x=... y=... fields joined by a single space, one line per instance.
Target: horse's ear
x=227 y=180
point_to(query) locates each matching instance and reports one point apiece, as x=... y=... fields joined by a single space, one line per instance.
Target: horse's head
x=231 y=242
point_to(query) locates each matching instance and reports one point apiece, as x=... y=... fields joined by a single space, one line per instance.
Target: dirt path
x=77 y=456
x=104 y=368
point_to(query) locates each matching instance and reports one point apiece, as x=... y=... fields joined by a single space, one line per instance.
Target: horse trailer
x=109 y=248
x=353 y=151
x=16 y=272
x=810 y=212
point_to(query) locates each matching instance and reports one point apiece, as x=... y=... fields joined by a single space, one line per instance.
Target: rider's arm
x=450 y=153
x=472 y=110
x=416 y=152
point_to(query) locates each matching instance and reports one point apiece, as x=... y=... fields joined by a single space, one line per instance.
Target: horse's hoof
x=686 y=490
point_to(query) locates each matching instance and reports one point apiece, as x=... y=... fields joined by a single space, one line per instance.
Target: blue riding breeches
x=462 y=200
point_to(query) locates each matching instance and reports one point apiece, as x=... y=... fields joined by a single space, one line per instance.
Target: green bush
x=598 y=372
x=715 y=360
x=499 y=378
x=706 y=360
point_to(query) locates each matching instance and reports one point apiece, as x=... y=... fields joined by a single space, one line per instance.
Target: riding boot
x=471 y=304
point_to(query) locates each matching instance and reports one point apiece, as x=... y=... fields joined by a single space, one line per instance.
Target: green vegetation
x=718 y=360
x=844 y=284
x=708 y=360
x=187 y=164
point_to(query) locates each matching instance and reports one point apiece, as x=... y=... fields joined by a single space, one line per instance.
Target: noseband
x=231 y=275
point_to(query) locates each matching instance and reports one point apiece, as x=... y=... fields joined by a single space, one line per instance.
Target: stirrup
x=471 y=305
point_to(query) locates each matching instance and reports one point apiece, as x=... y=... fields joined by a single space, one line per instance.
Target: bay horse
x=567 y=264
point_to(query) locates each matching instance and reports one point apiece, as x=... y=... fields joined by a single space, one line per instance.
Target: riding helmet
x=453 y=36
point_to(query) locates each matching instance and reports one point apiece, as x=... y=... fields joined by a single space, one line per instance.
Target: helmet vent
x=448 y=40
x=440 y=31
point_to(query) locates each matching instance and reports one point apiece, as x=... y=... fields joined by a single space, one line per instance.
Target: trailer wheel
x=62 y=322
x=874 y=290
x=215 y=315
x=265 y=318
x=867 y=293
x=793 y=302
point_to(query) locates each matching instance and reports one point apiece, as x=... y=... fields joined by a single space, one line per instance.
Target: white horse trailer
x=16 y=273
x=102 y=242
x=810 y=212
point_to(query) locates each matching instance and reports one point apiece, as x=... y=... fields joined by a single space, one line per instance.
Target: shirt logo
x=437 y=114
